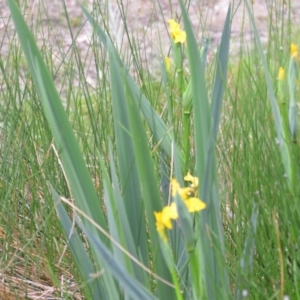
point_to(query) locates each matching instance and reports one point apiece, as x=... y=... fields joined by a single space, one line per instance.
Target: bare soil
x=145 y=21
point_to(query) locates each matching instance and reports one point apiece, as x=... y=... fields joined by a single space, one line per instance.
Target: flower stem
x=186 y=139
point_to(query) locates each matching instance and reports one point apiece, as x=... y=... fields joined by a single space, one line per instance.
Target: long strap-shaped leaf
x=156 y=124
x=129 y=178
x=78 y=250
x=130 y=284
x=247 y=258
x=126 y=230
x=148 y=180
x=285 y=156
x=206 y=129
x=65 y=141
x=68 y=149
x=212 y=217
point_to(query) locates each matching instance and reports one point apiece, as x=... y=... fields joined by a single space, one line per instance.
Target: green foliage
x=98 y=167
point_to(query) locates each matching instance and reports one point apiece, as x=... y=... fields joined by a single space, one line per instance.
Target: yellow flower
x=187 y=194
x=193 y=180
x=184 y=193
x=175 y=186
x=169 y=213
x=178 y=35
x=194 y=204
x=294 y=51
x=160 y=226
x=168 y=64
x=281 y=74
x=173 y=25
x=164 y=219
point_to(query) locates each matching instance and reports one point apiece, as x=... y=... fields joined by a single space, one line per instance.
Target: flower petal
x=294 y=50
x=184 y=193
x=281 y=74
x=168 y=64
x=193 y=180
x=160 y=226
x=175 y=186
x=173 y=25
x=194 y=204
x=180 y=36
x=169 y=213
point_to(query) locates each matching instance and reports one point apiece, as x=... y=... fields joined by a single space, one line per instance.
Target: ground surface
x=146 y=23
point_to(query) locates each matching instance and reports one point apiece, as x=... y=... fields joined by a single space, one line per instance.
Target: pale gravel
x=146 y=21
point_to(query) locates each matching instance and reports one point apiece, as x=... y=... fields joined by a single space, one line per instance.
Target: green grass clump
x=90 y=204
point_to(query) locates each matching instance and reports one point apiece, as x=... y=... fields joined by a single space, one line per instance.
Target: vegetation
x=181 y=186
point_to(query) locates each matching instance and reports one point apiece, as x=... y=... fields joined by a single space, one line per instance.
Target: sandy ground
x=146 y=21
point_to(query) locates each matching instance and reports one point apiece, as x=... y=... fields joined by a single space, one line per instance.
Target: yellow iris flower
x=281 y=74
x=168 y=64
x=194 y=204
x=193 y=180
x=164 y=219
x=184 y=193
x=294 y=50
x=187 y=194
x=178 y=35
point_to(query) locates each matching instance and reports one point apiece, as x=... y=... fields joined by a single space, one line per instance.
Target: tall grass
x=86 y=172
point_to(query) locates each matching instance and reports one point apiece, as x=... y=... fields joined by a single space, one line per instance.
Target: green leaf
x=206 y=124
x=293 y=108
x=247 y=259
x=66 y=144
x=148 y=180
x=129 y=179
x=221 y=75
x=285 y=155
x=156 y=124
x=130 y=285
x=126 y=231
x=78 y=250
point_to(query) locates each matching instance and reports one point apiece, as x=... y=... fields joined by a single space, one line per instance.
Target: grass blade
x=129 y=179
x=156 y=124
x=285 y=156
x=149 y=184
x=66 y=143
x=131 y=246
x=78 y=250
x=221 y=75
x=206 y=128
x=132 y=287
x=248 y=253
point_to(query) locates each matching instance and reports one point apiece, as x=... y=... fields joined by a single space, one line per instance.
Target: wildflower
x=178 y=35
x=281 y=88
x=194 y=204
x=294 y=51
x=173 y=25
x=168 y=64
x=184 y=193
x=169 y=213
x=164 y=219
x=193 y=180
x=281 y=74
x=187 y=194
x=160 y=225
